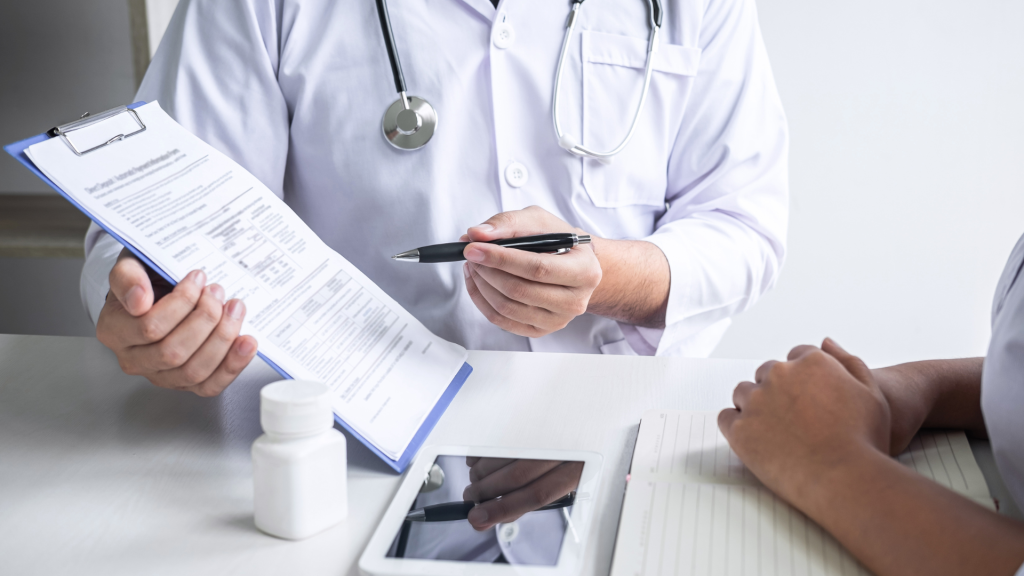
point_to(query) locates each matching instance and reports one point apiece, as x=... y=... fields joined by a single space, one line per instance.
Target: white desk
x=102 y=473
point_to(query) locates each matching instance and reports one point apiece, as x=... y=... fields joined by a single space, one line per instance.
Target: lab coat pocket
x=613 y=77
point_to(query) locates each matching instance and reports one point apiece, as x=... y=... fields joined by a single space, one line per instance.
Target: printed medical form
x=188 y=206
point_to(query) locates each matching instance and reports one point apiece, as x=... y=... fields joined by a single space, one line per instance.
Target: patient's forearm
x=951 y=390
x=899 y=523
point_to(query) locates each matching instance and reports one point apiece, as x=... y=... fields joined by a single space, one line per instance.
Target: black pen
x=452 y=251
x=460 y=510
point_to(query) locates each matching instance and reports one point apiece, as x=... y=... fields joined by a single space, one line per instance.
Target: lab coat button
x=503 y=35
x=508 y=532
x=516 y=175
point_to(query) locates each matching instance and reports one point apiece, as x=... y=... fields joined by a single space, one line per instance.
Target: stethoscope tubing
x=567 y=142
x=654 y=19
x=389 y=43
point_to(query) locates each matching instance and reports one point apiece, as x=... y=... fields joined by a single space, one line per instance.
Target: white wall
x=907 y=175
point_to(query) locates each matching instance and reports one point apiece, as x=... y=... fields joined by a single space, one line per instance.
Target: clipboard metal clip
x=88 y=120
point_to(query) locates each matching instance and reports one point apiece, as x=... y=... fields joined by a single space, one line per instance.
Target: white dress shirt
x=1002 y=380
x=295 y=90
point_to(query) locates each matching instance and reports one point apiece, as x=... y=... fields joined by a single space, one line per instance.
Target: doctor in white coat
x=688 y=220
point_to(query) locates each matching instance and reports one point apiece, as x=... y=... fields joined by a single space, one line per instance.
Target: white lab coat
x=294 y=91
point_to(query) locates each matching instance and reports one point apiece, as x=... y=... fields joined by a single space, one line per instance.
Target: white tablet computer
x=488 y=511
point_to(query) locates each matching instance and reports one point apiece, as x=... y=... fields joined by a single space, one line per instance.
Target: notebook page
x=676 y=446
x=946 y=458
x=187 y=206
x=721 y=529
x=692 y=508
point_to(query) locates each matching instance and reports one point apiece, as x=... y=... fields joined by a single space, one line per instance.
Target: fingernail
x=485 y=227
x=133 y=295
x=465 y=270
x=199 y=278
x=474 y=255
x=246 y=347
x=478 y=516
x=236 y=309
x=217 y=292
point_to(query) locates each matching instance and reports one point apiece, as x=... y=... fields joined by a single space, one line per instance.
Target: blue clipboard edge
x=17 y=150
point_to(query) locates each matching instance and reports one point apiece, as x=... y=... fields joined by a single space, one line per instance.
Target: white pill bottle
x=299 y=464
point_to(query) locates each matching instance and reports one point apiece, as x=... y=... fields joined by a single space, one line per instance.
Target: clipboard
x=65 y=132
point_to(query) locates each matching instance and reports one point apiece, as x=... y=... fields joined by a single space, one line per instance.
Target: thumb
x=130 y=284
x=853 y=364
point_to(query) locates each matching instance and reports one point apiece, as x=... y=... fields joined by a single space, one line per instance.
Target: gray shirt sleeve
x=1002 y=386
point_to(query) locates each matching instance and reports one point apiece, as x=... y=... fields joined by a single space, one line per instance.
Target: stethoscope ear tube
x=656 y=12
x=567 y=141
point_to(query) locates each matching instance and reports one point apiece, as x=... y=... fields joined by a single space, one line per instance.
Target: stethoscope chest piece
x=409 y=122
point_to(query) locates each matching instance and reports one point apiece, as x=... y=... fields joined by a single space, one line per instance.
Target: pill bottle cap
x=295 y=408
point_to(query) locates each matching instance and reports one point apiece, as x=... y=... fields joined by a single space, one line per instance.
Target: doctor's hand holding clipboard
x=182 y=338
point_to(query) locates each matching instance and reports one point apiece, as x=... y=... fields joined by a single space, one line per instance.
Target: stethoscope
x=410 y=121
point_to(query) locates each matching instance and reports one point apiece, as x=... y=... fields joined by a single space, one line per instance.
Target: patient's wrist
x=948 y=390
x=912 y=385
x=823 y=486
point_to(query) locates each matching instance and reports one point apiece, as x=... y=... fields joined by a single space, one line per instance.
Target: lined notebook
x=691 y=506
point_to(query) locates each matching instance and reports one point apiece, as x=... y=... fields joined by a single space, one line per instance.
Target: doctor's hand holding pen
x=184 y=338
x=534 y=295
x=523 y=486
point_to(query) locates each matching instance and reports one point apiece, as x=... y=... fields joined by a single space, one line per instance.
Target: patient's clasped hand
x=819 y=430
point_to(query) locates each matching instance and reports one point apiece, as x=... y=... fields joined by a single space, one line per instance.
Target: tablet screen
x=494 y=510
